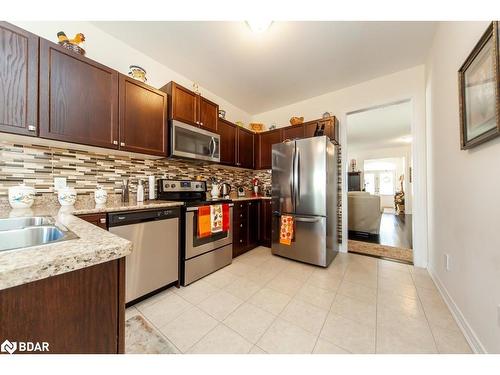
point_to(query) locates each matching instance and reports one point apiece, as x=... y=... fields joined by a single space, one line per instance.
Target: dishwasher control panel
x=133 y=217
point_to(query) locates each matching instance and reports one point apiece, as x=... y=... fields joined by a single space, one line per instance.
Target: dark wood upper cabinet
x=190 y=107
x=78 y=98
x=208 y=114
x=18 y=80
x=143 y=118
x=330 y=124
x=245 y=156
x=266 y=141
x=227 y=132
x=293 y=132
x=182 y=103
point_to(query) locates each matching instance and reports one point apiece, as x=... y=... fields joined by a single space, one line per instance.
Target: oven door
x=194 y=143
x=196 y=246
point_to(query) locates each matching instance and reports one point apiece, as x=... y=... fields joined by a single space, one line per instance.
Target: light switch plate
x=59 y=182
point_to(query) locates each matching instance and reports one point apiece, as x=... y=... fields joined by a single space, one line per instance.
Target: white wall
x=406 y=84
x=114 y=53
x=383 y=153
x=463 y=194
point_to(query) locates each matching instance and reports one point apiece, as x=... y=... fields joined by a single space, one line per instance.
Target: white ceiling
x=382 y=127
x=289 y=62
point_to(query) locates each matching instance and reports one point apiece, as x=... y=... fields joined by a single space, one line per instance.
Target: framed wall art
x=478 y=80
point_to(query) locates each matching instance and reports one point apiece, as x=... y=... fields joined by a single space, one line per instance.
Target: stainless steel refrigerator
x=304 y=186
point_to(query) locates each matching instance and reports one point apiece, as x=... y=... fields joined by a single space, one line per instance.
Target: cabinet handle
x=249 y=203
x=201 y=123
x=102 y=220
x=241 y=225
x=115 y=142
x=122 y=144
x=31 y=128
x=241 y=215
x=241 y=241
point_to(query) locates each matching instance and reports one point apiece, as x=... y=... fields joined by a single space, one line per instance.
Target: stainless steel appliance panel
x=194 y=143
x=283 y=157
x=198 y=267
x=154 y=261
x=191 y=249
x=309 y=242
x=310 y=174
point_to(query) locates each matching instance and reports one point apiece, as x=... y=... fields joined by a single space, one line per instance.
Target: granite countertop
x=89 y=207
x=248 y=198
x=94 y=245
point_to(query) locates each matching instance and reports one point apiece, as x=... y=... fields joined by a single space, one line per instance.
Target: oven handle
x=196 y=208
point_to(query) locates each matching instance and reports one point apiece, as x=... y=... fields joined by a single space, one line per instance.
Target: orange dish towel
x=286 y=230
x=204 y=222
x=225 y=217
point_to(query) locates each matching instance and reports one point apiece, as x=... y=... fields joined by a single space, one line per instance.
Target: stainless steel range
x=200 y=256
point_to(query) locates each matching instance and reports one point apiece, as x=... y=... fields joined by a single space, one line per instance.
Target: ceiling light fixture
x=258 y=26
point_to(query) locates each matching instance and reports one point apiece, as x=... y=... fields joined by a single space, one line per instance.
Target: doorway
x=380 y=186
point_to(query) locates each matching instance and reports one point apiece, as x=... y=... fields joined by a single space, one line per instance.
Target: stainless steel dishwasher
x=154 y=261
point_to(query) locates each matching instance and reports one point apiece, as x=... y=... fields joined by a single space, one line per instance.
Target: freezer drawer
x=309 y=241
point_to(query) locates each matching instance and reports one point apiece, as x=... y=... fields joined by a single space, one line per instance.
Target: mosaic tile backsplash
x=37 y=166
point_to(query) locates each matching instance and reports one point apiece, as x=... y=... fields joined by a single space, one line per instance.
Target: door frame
x=419 y=178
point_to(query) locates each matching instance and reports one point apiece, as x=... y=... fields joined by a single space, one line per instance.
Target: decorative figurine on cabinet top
x=138 y=73
x=71 y=44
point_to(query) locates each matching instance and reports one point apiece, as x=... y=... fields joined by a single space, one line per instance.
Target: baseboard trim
x=462 y=323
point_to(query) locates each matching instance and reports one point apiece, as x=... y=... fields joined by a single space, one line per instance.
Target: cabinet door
x=143 y=118
x=240 y=224
x=96 y=219
x=295 y=132
x=253 y=224
x=18 y=80
x=266 y=210
x=227 y=132
x=209 y=112
x=78 y=98
x=245 y=149
x=310 y=128
x=267 y=140
x=184 y=105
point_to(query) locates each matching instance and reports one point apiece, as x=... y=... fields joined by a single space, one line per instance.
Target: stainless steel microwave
x=190 y=142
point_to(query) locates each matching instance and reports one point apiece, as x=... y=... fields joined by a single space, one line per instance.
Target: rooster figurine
x=72 y=44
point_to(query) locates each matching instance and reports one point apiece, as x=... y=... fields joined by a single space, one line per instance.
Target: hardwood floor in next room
x=267 y=304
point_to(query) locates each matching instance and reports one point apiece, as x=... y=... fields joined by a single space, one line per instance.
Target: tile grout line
x=425 y=314
x=329 y=311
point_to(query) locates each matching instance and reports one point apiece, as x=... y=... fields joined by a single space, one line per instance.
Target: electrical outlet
x=447 y=262
x=59 y=182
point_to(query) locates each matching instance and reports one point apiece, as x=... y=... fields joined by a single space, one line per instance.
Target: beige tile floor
x=266 y=304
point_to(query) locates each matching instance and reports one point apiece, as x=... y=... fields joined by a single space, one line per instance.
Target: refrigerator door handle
x=307 y=219
x=292 y=180
x=297 y=186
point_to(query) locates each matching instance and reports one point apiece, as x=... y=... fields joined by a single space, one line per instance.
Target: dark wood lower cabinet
x=246 y=234
x=252 y=223
x=81 y=311
x=265 y=222
x=96 y=219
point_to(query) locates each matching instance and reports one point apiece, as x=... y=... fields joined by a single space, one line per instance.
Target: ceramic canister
x=100 y=195
x=21 y=196
x=66 y=196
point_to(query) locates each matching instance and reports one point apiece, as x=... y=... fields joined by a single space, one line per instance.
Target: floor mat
x=142 y=338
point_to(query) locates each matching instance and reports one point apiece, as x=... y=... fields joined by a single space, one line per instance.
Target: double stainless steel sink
x=22 y=232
